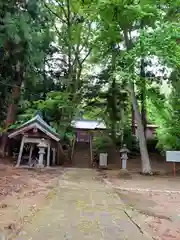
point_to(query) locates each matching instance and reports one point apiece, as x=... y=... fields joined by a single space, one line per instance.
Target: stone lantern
x=42 y=146
x=124 y=156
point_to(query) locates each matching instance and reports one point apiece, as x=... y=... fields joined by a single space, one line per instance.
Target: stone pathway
x=82 y=208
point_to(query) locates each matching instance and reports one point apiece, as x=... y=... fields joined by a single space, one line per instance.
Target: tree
x=74 y=33
x=122 y=18
x=163 y=43
x=23 y=29
x=119 y=38
x=62 y=66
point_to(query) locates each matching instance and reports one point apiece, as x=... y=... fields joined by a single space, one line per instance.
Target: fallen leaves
x=21 y=194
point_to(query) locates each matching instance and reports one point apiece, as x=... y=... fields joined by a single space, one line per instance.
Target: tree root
x=147 y=173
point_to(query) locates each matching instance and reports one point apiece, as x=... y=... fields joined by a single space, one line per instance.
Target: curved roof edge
x=38 y=122
x=88 y=124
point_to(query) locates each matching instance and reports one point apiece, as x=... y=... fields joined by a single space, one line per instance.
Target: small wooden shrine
x=39 y=136
x=85 y=131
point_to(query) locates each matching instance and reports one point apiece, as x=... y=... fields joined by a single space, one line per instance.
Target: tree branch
x=62 y=8
x=54 y=13
x=87 y=38
x=86 y=56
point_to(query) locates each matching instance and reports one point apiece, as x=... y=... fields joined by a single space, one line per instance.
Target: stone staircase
x=81 y=156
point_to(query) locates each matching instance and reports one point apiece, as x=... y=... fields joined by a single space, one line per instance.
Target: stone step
x=82 y=156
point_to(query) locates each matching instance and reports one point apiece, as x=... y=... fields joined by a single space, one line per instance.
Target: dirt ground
x=154 y=201
x=22 y=193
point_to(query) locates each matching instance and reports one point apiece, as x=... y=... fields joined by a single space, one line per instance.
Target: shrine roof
x=88 y=124
x=39 y=123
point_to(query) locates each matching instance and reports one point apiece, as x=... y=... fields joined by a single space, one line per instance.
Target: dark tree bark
x=12 y=107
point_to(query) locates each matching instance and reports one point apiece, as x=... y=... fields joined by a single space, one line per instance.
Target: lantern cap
x=124 y=149
x=42 y=144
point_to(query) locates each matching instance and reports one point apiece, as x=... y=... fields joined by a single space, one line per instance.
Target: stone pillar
x=41 y=147
x=30 y=154
x=124 y=160
x=124 y=156
x=48 y=154
x=54 y=156
x=20 y=152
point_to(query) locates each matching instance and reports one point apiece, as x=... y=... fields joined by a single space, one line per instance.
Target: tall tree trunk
x=146 y=166
x=113 y=109
x=143 y=82
x=133 y=126
x=122 y=125
x=12 y=107
x=143 y=95
x=113 y=96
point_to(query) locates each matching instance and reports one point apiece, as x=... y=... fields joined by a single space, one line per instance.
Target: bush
x=101 y=144
x=131 y=141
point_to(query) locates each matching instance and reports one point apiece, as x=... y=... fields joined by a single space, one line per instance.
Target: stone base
x=124 y=173
x=103 y=167
x=40 y=165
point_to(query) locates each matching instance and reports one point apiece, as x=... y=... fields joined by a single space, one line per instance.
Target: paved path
x=82 y=208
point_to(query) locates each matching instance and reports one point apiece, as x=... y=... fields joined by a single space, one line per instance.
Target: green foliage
x=24 y=39
x=130 y=141
x=59 y=44
x=165 y=113
x=57 y=109
x=102 y=143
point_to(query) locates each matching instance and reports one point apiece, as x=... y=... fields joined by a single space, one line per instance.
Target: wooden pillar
x=20 y=152
x=48 y=155
x=30 y=154
x=91 y=150
x=54 y=156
